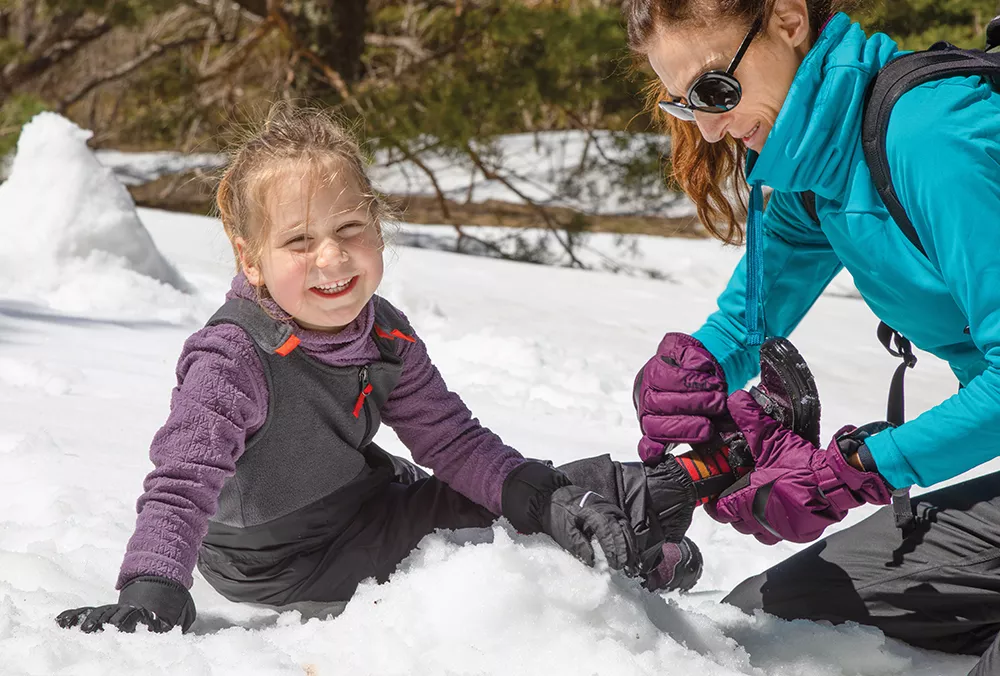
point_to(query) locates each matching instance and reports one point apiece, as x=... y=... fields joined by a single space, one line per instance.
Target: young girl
x=265 y=471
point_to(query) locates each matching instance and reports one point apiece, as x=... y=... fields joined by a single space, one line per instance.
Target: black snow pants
x=936 y=586
x=407 y=505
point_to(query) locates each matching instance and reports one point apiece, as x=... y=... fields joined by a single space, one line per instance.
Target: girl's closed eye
x=297 y=242
x=351 y=229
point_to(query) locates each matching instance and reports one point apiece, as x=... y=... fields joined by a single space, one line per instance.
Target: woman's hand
x=796 y=489
x=676 y=395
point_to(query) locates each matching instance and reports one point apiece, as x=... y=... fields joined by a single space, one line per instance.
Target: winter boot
x=787 y=392
x=660 y=500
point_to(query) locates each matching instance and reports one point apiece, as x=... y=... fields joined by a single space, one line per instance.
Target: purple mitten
x=796 y=489
x=676 y=394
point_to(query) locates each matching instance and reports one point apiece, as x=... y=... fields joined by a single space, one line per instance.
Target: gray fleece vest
x=320 y=419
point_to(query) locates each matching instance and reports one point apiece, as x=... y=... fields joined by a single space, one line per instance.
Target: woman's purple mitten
x=796 y=489
x=676 y=395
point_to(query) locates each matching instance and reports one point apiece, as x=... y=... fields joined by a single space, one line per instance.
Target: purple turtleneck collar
x=351 y=345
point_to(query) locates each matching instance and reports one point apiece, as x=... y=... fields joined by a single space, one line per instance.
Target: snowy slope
x=545 y=356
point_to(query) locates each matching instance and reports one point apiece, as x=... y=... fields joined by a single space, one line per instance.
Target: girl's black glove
x=156 y=602
x=537 y=498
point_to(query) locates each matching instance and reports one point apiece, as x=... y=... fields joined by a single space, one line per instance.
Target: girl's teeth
x=335 y=287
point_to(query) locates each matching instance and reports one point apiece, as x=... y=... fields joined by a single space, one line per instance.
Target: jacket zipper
x=360 y=404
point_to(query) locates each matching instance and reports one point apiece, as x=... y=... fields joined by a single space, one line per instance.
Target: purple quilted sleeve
x=439 y=430
x=220 y=399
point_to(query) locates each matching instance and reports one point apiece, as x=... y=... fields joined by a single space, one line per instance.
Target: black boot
x=787 y=392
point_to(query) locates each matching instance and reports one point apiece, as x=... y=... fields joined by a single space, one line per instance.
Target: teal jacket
x=944 y=155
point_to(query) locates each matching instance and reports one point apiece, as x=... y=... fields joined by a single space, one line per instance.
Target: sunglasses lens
x=714 y=93
x=677 y=110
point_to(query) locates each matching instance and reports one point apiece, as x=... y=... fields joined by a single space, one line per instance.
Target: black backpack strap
x=899 y=76
x=895 y=413
x=809 y=204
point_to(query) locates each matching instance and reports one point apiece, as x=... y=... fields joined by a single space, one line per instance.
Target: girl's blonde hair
x=289 y=134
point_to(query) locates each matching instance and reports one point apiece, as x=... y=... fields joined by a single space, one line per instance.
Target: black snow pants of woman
x=936 y=586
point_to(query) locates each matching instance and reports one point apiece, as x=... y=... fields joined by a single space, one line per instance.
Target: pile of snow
x=72 y=237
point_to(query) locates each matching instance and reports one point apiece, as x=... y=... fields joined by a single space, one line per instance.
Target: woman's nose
x=330 y=251
x=711 y=125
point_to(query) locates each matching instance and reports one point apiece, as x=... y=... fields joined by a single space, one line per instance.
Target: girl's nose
x=330 y=252
x=711 y=125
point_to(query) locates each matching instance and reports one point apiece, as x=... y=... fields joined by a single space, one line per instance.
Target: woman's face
x=680 y=53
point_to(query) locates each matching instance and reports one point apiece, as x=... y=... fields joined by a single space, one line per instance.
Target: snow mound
x=516 y=605
x=72 y=237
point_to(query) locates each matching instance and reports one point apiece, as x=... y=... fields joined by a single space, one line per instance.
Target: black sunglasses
x=717 y=91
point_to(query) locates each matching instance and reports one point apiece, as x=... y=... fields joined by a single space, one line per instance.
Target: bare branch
x=332 y=77
x=255 y=7
x=550 y=222
x=234 y=57
x=403 y=42
x=442 y=200
x=154 y=51
x=46 y=52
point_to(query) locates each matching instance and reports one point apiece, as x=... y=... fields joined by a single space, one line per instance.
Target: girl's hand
x=540 y=499
x=158 y=603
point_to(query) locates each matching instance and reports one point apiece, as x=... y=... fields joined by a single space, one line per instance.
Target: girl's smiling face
x=321 y=260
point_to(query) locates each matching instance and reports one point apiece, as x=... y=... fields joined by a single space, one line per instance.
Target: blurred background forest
x=431 y=84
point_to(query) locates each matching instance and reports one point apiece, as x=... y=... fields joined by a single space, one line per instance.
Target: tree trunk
x=334 y=30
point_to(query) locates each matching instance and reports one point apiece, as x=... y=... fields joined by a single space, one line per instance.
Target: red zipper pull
x=366 y=389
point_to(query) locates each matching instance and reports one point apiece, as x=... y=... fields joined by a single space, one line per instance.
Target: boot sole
x=802 y=414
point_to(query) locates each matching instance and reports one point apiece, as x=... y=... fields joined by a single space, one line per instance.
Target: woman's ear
x=790 y=23
x=250 y=268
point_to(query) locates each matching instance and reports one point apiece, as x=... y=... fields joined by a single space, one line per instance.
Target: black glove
x=537 y=498
x=156 y=602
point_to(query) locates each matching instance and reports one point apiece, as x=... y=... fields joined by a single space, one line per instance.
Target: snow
x=587 y=171
x=544 y=355
x=137 y=168
x=71 y=232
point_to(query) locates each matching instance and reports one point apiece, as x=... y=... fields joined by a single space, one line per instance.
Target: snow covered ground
x=545 y=356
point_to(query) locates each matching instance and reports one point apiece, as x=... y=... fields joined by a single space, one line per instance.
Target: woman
x=794 y=114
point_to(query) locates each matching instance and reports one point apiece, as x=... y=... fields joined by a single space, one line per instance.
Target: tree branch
x=404 y=42
x=550 y=223
x=232 y=58
x=333 y=78
x=154 y=51
x=255 y=7
x=44 y=53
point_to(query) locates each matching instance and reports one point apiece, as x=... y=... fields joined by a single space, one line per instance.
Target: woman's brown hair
x=712 y=174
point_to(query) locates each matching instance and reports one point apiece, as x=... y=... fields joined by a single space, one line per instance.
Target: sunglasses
x=717 y=91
